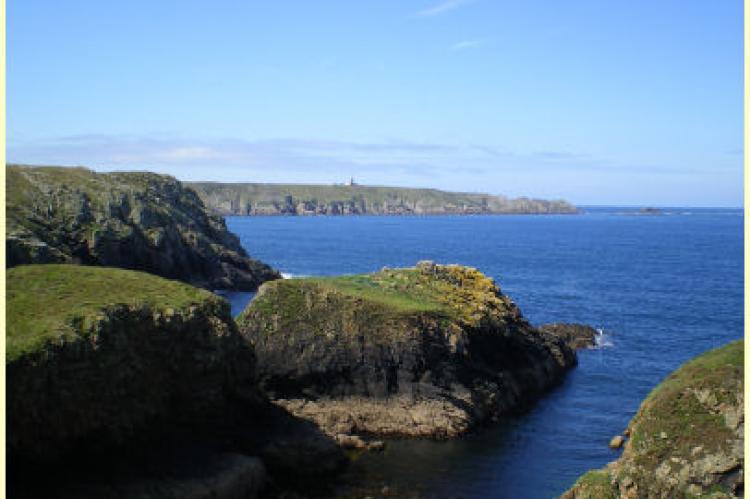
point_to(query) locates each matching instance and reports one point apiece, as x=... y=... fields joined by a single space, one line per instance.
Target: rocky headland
x=430 y=351
x=133 y=220
x=299 y=199
x=125 y=384
x=687 y=438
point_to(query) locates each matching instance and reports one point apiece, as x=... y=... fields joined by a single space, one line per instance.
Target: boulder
x=576 y=336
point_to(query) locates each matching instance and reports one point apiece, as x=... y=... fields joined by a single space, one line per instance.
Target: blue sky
x=629 y=102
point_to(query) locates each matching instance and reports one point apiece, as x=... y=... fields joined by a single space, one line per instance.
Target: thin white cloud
x=465 y=44
x=305 y=160
x=443 y=7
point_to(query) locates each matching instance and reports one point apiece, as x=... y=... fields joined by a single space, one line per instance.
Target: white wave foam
x=602 y=339
x=288 y=275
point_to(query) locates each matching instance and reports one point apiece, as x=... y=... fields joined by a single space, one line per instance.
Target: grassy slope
x=48 y=303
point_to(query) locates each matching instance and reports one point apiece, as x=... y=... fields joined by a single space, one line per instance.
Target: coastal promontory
x=133 y=220
x=687 y=438
x=354 y=199
x=429 y=351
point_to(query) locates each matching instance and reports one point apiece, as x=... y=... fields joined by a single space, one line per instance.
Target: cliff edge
x=133 y=220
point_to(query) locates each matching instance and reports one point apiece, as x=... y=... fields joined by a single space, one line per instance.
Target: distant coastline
x=255 y=199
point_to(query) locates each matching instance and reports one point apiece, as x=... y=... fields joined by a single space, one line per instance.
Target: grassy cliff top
x=454 y=291
x=50 y=303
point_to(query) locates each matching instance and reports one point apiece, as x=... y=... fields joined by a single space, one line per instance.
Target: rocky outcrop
x=291 y=199
x=114 y=354
x=137 y=220
x=686 y=440
x=429 y=351
x=125 y=384
x=576 y=336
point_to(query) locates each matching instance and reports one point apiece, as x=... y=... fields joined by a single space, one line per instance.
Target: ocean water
x=662 y=289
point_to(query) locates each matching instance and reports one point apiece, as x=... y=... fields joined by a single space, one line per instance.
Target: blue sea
x=662 y=288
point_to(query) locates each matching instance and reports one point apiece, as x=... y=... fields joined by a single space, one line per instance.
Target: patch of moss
x=52 y=303
x=596 y=484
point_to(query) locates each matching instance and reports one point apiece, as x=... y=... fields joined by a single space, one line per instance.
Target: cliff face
x=427 y=351
x=140 y=221
x=288 y=199
x=686 y=440
x=114 y=354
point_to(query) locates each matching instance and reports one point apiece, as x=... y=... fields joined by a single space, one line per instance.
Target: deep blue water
x=663 y=288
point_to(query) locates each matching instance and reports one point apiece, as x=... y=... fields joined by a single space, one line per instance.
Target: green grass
x=388 y=300
x=597 y=484
x=402 y=290
x=52 y=303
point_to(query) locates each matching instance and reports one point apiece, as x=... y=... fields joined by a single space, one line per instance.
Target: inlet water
x=662 y=288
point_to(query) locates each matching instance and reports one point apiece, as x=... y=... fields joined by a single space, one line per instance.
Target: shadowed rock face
x=687 y=439
x=123 y=384
x=102 y=376
x=427 y=351
x=140 y=221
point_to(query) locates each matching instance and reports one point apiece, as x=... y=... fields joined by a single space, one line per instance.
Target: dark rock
x=124 y=371
x=576 y=336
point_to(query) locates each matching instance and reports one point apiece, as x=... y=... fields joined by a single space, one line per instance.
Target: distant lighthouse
x=351 y=182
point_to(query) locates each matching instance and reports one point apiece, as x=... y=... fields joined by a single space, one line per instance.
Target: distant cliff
x=132 y=220
x=291 y=199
